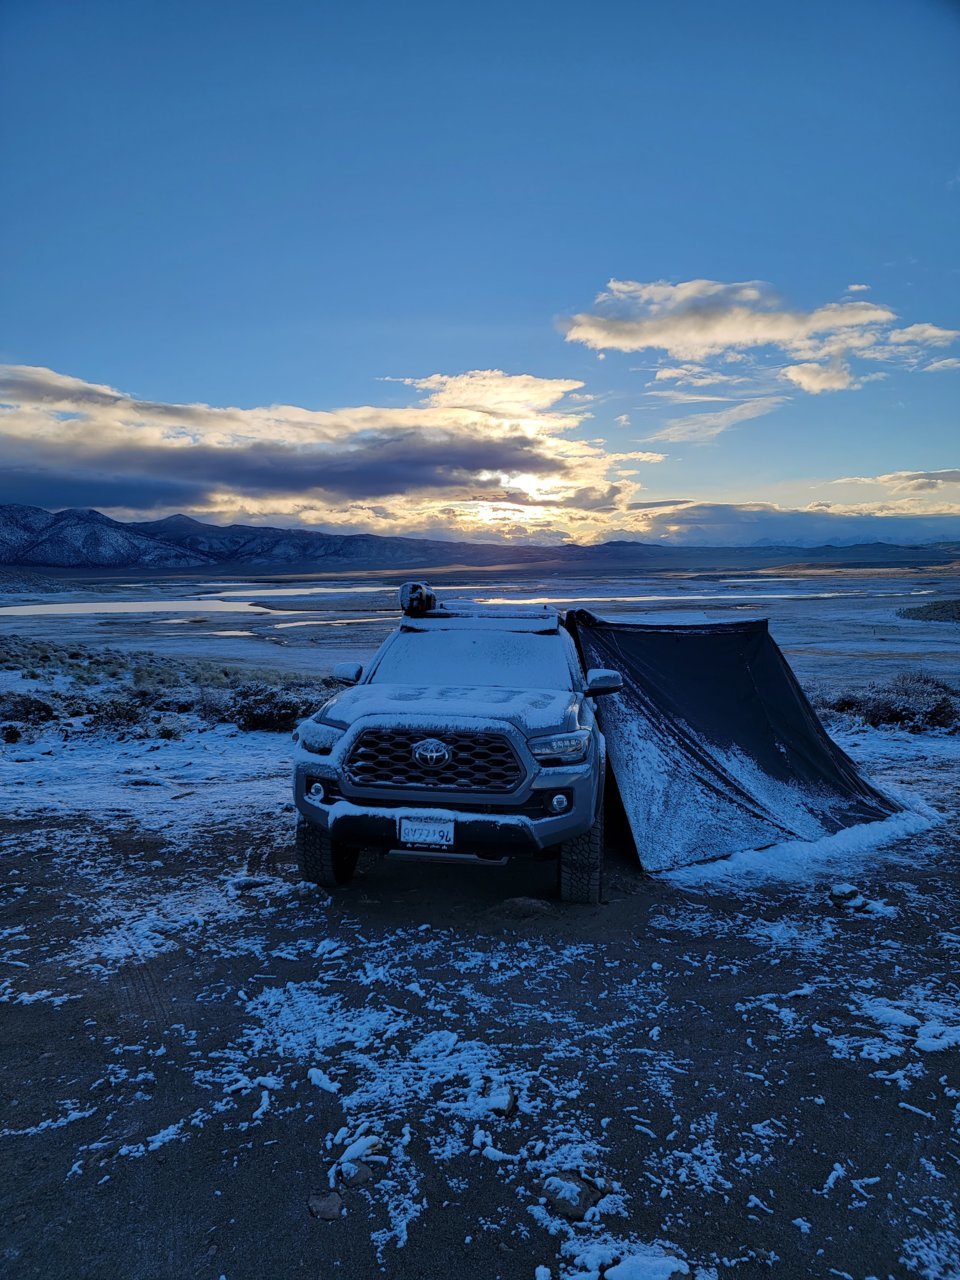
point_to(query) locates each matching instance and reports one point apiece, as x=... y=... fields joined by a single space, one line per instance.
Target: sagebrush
x=913 y=700
x=108 y=691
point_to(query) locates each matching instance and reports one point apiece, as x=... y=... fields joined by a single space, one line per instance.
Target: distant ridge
x=85 y=539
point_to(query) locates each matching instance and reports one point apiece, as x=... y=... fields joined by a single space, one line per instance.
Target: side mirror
x=600 y=681
x=348 y=672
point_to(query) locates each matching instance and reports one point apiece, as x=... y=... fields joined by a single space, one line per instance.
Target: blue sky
x=219 y=209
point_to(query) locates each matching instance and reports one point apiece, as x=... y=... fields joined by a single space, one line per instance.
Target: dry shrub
x=214 y=704
x=934 y=611
x=146 y=695
x=276 y=709
x=913 y=701
x=117 y=713
x=168 y=728
x=24 y=708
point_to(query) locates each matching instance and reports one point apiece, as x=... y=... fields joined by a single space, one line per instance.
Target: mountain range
x=85 y=539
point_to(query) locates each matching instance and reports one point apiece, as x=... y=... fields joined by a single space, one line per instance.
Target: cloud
x=488 y=442
x=591 y=499
x=940 y=366
x=693 y=334
x=387 y=463
x=701 y=427
x=674 y=396
x=908 y=481
x=641 y=456
x=55 y=488
x=700 y=324
x=745 y=524
x=662 y=505
x=924 y=335
x=699 y=318
x=660 y=295
x=492 y=391
x=815 y=378
x=691 y=375
x=858 y=288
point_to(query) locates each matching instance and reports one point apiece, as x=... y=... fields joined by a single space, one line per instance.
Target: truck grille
x=478 y=762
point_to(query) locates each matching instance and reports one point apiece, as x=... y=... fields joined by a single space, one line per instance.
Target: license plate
x=432 y=831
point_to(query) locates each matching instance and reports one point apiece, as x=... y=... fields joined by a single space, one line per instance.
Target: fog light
x=316 y=791
x=559 y=803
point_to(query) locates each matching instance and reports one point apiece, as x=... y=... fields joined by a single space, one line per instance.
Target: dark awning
x=713 y=744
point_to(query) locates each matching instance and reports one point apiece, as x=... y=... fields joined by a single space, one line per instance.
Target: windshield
x=505 y=659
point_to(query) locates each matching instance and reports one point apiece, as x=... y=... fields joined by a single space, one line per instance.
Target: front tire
x=322 y=860
x=581 y=866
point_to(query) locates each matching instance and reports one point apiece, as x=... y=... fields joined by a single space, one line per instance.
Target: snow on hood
x=530 y=710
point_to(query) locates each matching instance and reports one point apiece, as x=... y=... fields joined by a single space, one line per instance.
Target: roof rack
x=420 y=605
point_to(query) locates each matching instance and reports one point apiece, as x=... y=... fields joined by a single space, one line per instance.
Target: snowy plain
x=748 y=1069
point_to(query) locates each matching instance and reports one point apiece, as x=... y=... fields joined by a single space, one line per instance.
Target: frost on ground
x=739 y=1073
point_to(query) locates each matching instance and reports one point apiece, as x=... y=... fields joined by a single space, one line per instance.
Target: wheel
x=321 y=859
x=581 y=866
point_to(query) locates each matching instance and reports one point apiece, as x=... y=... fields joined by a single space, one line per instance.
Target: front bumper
x=523 y=827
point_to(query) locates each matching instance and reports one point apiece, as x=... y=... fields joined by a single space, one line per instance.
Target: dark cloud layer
x=53 y=488
x=474 y=438
x=388 y=463
x=655 y=506
x=714 y=524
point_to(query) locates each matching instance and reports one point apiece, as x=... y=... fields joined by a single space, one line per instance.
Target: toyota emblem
x=431 y=753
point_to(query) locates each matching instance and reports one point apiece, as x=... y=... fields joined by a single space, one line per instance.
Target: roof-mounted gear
x=416 y=599
x=422 y=611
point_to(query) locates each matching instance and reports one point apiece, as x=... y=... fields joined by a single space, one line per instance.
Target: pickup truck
x=470 y=738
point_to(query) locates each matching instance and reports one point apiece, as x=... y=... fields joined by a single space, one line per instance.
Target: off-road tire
x=322 y=860
x=580 y=866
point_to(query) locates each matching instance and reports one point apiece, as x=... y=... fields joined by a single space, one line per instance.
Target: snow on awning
x=713 y=745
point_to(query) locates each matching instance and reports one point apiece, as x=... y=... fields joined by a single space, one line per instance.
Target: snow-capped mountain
x=88 y=539
x=264 y=545
x=84 y=539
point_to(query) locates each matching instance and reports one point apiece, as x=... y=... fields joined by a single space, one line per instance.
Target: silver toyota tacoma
x=471 y=737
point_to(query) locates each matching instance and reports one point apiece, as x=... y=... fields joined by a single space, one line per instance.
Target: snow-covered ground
x=213 y=1070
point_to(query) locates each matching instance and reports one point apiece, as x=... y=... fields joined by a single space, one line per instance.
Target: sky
x=531 y=271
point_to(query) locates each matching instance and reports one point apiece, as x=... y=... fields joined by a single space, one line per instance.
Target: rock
x=843 y=892
x=327 y=1207
x=570 y=1195
x=847 y=897
x=354 y=1173
x=501 y=1099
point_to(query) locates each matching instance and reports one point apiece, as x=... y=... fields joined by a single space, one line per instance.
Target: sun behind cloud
x=478 y=451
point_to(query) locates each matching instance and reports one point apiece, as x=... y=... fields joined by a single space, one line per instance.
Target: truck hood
x=532 y=711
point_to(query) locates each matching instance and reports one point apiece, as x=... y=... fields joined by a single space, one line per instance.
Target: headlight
x=565 y=747
x=317 y=738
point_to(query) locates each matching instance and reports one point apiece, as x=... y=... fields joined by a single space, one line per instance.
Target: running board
x=440 y=855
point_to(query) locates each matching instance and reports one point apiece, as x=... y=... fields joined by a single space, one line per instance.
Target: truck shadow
x=525 y=889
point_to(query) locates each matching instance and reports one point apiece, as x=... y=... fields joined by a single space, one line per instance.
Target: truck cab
x=471 y=737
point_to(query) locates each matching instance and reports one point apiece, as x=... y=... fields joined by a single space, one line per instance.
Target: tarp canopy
x=713 y=745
